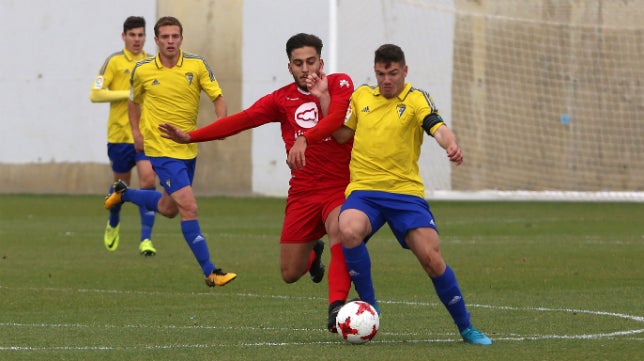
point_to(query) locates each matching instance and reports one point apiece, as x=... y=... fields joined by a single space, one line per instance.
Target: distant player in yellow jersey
x=166 y=89
x=112 y=84
x=387 y=124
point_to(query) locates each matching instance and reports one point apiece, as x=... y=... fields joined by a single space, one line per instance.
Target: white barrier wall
x=54 y=49
x=359 y=28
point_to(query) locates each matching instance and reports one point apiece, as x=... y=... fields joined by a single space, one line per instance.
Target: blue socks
x=115 y=215
x=450 y=294
x=359 y=265
x=197 y=243
x=146 y=198
x=115 y=212
x=147 y=218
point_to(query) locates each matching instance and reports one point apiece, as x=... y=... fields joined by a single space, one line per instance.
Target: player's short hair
x=167 y=21
x=133 y=22
x=301 y=40
x=389 y=53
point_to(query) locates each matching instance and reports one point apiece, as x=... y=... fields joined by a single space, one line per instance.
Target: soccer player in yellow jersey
x=112 y=85
x=166 y=89
x=387 y=124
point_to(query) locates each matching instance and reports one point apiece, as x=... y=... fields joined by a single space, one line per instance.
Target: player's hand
x=317 y=85
x=454 y=154
x=171 y=132
x=295 y=158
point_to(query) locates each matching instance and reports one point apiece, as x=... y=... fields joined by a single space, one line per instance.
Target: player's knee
x=289 y=277
x=350 y=236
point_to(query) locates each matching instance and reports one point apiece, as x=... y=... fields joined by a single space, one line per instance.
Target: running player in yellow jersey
x=166 y=89
x=387 y=124
x=112 y=84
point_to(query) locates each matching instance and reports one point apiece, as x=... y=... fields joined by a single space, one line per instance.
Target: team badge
x=189 y=77
x=401 y=109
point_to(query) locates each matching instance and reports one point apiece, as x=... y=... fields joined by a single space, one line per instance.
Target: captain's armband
x=431 y=123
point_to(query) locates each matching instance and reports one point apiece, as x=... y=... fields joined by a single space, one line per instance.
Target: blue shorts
x=173 y=173
x=401 y=211
x=123 y=156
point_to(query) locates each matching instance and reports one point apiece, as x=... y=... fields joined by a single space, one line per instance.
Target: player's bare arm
x=447 y=140
x=343 y=135
x=221 y=107
x=134 y=113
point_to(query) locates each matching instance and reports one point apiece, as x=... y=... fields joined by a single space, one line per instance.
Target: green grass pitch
x=545 y=280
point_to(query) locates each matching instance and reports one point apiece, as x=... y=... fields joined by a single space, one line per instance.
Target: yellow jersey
x=387 y=140
x=114 y=76
x=171 y=96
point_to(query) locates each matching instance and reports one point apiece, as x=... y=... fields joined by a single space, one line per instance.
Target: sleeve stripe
x=211 y=74
x=107 y=61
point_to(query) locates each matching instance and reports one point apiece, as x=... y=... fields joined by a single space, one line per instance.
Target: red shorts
x=306 y=214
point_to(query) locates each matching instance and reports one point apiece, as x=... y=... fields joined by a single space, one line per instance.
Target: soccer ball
x=357 y=322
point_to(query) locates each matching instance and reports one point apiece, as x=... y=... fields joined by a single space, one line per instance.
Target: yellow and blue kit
x=112 y=84
x=173 y=95
x=386 y=145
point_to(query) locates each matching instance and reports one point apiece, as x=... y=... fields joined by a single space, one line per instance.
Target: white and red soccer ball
x=357 y=322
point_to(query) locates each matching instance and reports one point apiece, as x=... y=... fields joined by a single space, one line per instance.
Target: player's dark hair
x=389 y=53
x=301 y=40
x=133 y=22
x=167 y=21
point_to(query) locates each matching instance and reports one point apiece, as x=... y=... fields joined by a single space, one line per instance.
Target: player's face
x=134 y=40
x=169 y=41
x=391 y=78
x=304 y=61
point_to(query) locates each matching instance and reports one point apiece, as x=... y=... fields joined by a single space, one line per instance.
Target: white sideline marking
x=448 y=337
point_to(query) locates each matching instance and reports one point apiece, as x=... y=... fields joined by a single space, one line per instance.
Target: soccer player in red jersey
x=309 y=110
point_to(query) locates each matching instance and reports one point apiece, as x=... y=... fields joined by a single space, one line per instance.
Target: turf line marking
x=611 y=335
x=432 y=304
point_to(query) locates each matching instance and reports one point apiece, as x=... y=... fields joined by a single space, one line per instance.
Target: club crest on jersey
x=401 y=109
x=189 y=77
x=306 y=115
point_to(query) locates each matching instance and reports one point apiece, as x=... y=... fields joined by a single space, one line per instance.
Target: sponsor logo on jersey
x=344 y=83
x=306 y=115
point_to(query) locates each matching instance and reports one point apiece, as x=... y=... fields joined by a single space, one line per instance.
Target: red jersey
x=298 y=112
